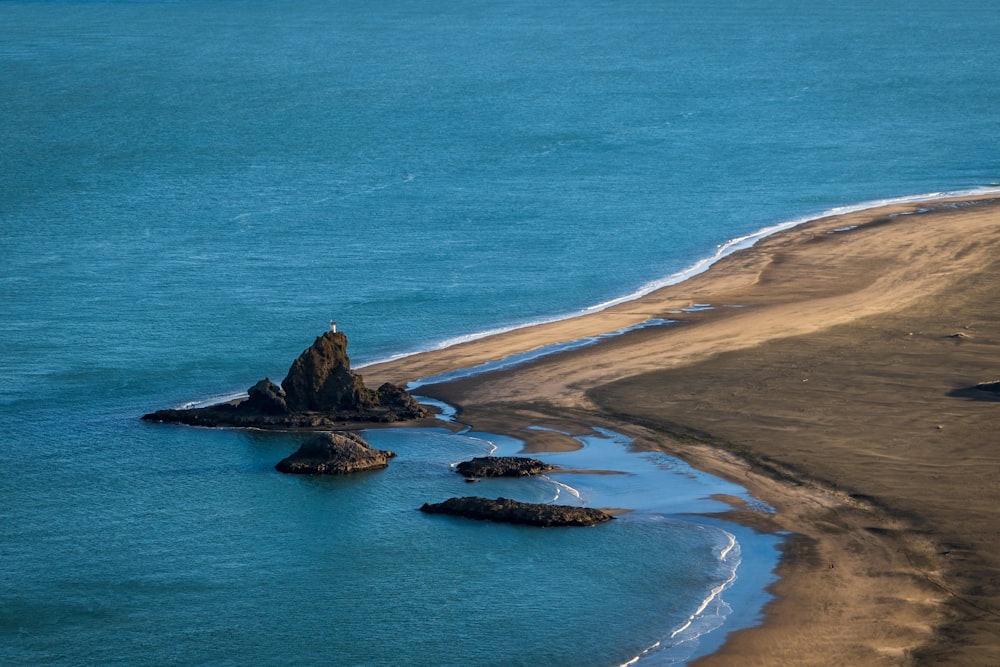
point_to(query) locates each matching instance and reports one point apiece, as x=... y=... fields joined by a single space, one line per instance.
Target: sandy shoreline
x=827 y=379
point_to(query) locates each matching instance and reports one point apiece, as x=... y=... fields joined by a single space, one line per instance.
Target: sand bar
x=830 y=378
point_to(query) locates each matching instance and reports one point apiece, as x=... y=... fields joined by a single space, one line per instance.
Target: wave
x=214 y=400
x=710 y=614
x=531 y=355
x=561 y=487
x=749 y=240
x=731 y=548
x=723 y=250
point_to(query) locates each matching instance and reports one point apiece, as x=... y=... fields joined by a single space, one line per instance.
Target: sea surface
x=190 y=190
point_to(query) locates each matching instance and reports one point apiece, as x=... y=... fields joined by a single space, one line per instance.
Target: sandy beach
x=830 y=376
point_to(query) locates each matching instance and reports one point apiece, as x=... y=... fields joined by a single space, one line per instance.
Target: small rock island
x=502 y=466
x=334 y=454
x=505 y=510
x=320 y=391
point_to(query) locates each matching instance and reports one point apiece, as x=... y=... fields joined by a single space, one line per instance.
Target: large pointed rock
x=320 y=380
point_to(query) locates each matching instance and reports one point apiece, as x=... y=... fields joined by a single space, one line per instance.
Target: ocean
x=191 y=189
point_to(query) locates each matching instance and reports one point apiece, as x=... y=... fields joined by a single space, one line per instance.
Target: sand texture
x=831 y=377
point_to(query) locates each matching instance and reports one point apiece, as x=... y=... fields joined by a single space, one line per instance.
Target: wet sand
x=831 y=378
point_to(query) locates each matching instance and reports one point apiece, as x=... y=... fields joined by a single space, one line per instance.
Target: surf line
x=715 y=593
x=531 y=355
x=717 y=590
x=700 y=266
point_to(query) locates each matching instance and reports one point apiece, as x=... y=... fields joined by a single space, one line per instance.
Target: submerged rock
x=320 y=391
x=502 y=466
x=334 y=454
x=505 y=510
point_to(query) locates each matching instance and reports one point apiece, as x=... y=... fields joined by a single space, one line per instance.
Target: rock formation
x=505 y=510
x=320 y=380
x=320 y=391
x=266 y=398
x=334 y=454
x=502 y=466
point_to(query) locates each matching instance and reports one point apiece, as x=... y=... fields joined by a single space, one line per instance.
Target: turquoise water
x=175 y=557
x=190 y=190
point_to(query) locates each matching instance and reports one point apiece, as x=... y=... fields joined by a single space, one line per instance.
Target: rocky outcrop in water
x=266 y=398
x=502 y=466
x=505 y=510
x=334 y=454
x=320 y=391
x=320 y=379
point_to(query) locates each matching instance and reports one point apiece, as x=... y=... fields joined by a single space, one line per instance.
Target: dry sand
x=830 y=379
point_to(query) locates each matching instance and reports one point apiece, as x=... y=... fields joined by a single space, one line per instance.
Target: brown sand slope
x=830 y=365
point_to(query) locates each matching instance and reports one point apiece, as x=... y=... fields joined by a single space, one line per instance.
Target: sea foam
x=710 y=615
x=700 y=266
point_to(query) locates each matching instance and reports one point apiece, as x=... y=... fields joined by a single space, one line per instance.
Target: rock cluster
x=512 y=511
x=320 y=391
x=502 y=466
x=334 y=454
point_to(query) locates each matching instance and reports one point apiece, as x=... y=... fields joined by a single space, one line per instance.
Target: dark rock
x=398 y=401
x=502 y=466
x=505 y=510
x=334 y=454
x=266 y=398
x=320 y=379
x=989 y=386
x=320 y=391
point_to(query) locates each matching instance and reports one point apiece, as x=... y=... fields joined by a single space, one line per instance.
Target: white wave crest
x=710 y=614
x=214 y=400
x=700 y=266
